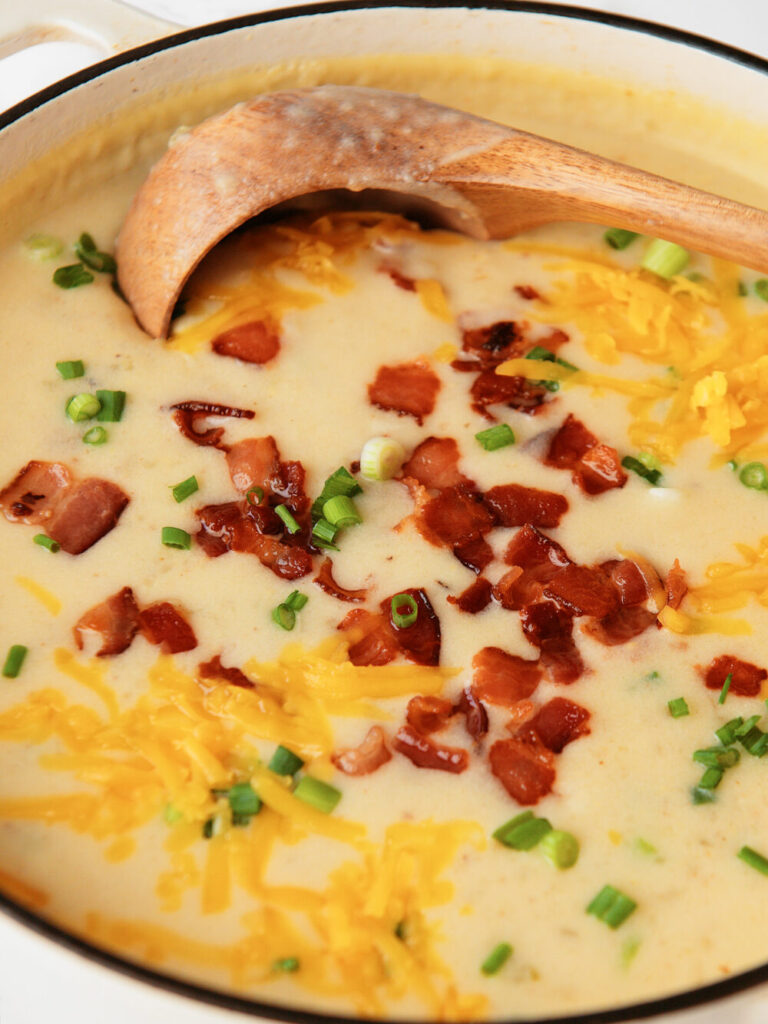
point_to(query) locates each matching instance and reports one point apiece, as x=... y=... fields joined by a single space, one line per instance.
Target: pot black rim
x=35 y=922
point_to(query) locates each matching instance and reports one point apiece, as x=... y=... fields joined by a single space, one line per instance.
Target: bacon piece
x=214 y=670
x=187 y=414
x=628 y=579
x=569 y=444
x=490 y=388
x=33 y=493
x=492 y=344
x=255 y=342
x=475 y=715
x=527 y=291
x=621 y=625
x=595 y=467
x=435 y=464
x=550 y=628
x=85 y=512
x=162 y=623
x=234 y=527
x=525 y=772
x=287 y=487
x=426 y=713
x=676 y=585
x=409 y=389
x=515 y=505
x=536 y=559
x=326 y=582
x=456 y=516
x=376 y=645
x=476 y=597
x=502 y=678
x=558 y=723
x=425 y=753
x=421 y=641
x=365 y=758
x=253 y=463
x=116 y=620
x=746 y=678
x=519 y=714
x=287 y=561
x=406 y=283
x=583 y=591
x=476 y=554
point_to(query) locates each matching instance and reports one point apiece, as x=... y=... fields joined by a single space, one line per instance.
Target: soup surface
x=470 y=534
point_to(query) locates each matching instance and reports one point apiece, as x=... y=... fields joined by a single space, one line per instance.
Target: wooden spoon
x=476 y=176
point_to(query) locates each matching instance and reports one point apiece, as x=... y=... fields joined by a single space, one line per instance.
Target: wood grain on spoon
x=484 y=179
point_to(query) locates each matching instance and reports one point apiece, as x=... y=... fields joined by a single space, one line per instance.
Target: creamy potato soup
x=390 y=640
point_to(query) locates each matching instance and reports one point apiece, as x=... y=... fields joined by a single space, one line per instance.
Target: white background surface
x=39 y=983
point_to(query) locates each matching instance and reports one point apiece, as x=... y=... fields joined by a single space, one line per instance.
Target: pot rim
x=252 y=1007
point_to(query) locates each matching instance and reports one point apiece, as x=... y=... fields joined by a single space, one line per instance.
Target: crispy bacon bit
x=595 y=467
x=455 y=516
x=426 y=714
x=527 y=773
x=235 y=526
x=583 y=591
x=620 y=626
x=527 y=291
x=490 y=388
x=255 y=342
x=476 y=554
x=326 y=582
x=550 y=628
x=558 y=723
x=435 y=464
x=536 y=559
x=519 y=714
x=406 y=283
x=502 y=678
x=381 y=641
x=187 y=414
x=421 y=641
x=409 y=389
x=476 y=597
x=253 y=463
x=162 y=623
x=376 y=644
x=746 y=678
x=213 y=669
x=569 y=444
x=628 y=579
x=475 y=715
x=369 y=755
x=116 y=620
x=84 y=513
x=32 y=494
x=425 y=753
x=515 y=505
x=287 y=561
x=493 y=344
x=676 y=585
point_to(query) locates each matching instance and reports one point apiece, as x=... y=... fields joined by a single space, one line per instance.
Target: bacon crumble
x=255 y=342
x=746 y=679
x=409 y=389
x=365 y=758
x=187 y=414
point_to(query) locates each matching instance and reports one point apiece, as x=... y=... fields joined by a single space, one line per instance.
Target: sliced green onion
x=14 y=660
x=255 y=495
x=754 y=859
x=702 y=796
x=711 y=778
x=523 y=831
x=183 y=490
x=611 y=906
x=287 y=964
x=381 y=458
x=213 y=826
x=636 y=466
x=85 y=250
x=755 y=742
x=95 y=436
x=323 y=534
x=546 y=356
x=340 y=482
x=341 y=512
x=82 y=407
x=560 y=848
x=727 y=733
x=403 y=610
x=244 y=802
x=285 y=762
x=629 y=950
x=47 y=542
x=746 y=727
x=678 y=707
x=284 y=617
x=732 y=464
x=725 y=689
x=651 y=677
x=717 y=757
x=112 y=406
x=71 y=368
x=72 y=276
x=754 y=475
x=496 y=437
x=296 y=600
x=665 y=258
x=173 y=537
x=761 y=288
x=285 y=514
x=496 y=958
x=619 y=238
x=317 y=794
x=43 y=247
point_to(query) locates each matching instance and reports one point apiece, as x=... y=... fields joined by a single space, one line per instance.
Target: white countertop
x=38 y=981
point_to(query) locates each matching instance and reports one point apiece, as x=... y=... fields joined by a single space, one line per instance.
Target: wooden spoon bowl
x=476 y=176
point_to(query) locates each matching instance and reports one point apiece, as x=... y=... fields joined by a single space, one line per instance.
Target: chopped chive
x=112 y=406
x=678 y=707
x=611 y=906
x=496 y=437
x=47 y=542
x=651 y=677
x=244 y=802
x=523 y=831
x=665 y=258
x=85 y=250
x=285 y=762
x=746 y=727
x=403 y=610
x=82 y=407
x=323 y=534
x=754 y=859
x=755 y=742
x=173 y=537
x=711 y=778
x=761 y=288
x=629 y=950
x=183 y=490
x=725 y=689
x=732 y=464
x=727 y=733
x=296 y=600
x=717 y=757
x=560 y=848
x=755 y=476
x=636 y=466
x=72 y=276
x=381 y=458
x=255 y=495
x=287 y=964
x=545 y=355
x=14 y=660
x=340 y=511
x=284 y=617
x=619 y=238
x=340 y=482
x=649 y=460
x=70 y=368
x=320 y=795
x=43 y=247
x=496 y=959
x=95 y=436
x=285 y=514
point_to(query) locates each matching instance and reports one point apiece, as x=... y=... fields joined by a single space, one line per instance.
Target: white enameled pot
x=147 y=61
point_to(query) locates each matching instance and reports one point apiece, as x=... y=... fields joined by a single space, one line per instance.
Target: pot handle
x=109 y=25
